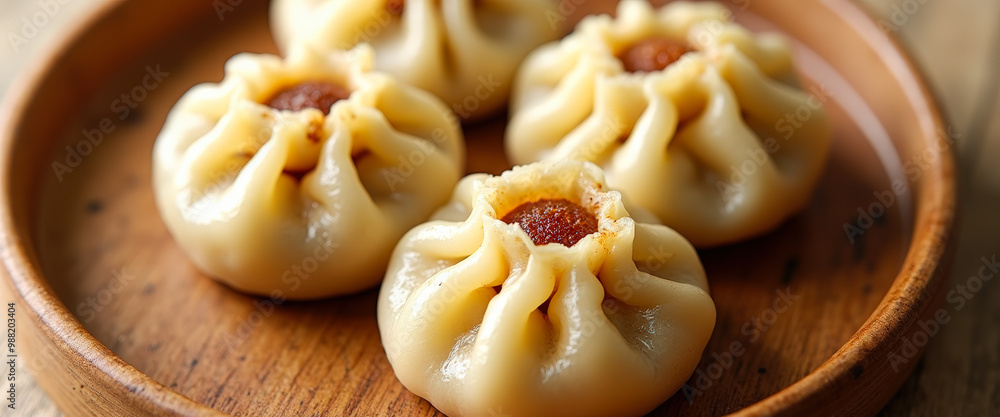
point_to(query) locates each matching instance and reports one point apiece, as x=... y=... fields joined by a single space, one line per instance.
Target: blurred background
x=956 y=43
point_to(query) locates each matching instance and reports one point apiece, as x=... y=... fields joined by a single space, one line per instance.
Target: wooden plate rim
x=19 y=261
x=921 y=272
x=924 y=270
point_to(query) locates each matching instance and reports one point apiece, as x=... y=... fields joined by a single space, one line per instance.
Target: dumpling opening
x=652 y=54
x=319 y=95
x=395 y=7
x=553 y=221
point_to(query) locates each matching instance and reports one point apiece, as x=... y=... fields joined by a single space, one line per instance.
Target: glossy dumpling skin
x=464 y=51
x=627 y=311
x=270 y=200
x=705 y=143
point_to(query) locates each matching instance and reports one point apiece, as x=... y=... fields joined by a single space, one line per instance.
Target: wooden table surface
x=955 y=42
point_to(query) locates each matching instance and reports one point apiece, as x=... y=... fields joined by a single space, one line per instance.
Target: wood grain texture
x=106 y=211
x=957 y=44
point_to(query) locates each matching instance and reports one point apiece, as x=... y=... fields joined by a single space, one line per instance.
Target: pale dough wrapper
x=706 y=144
x=628 y=309
x=297 y=202
x=464 y=51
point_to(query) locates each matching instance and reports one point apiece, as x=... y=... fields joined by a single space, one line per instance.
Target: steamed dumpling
x=536 y=293
x=300 y=175
x=464 y=51
x=687 y=112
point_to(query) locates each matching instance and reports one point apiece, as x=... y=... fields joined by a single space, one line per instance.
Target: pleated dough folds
x=722 y=145
x=298 y=202
x=478 y=319
x=464 y=51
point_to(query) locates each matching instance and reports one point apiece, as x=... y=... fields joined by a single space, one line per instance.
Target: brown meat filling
x=653 y=54
x=309 y=94
x=553 y=221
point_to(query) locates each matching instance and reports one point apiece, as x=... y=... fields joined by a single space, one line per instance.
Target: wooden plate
x=114 y=320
